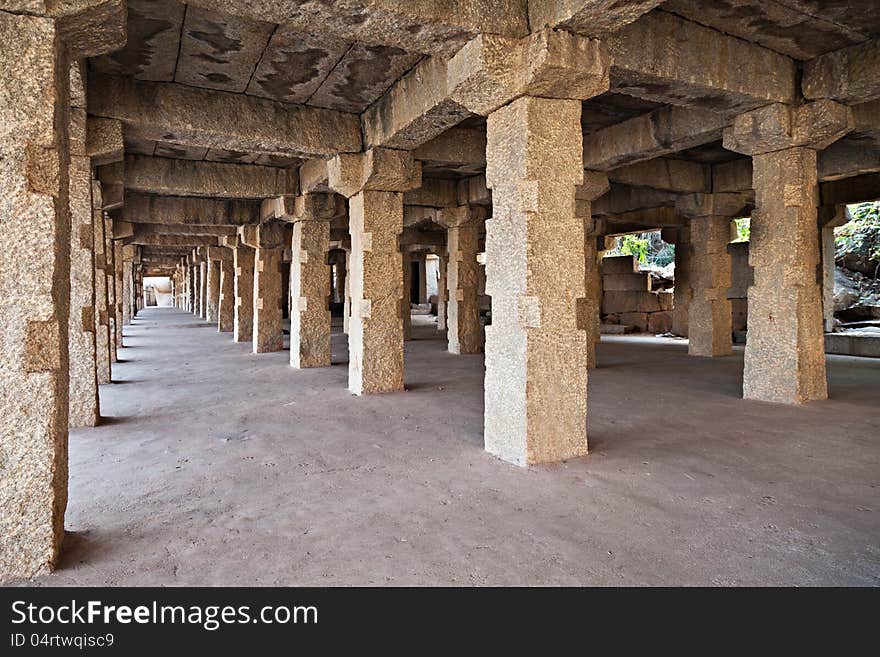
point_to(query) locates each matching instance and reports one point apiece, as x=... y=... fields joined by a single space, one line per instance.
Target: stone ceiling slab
x=153 y=40
x=239 y=157
x=362 y=75
x=294 y=65
x=179 y=151
x=219 y=51
x=791 y=28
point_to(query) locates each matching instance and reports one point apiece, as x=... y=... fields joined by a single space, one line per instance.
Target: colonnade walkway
x=214 y=465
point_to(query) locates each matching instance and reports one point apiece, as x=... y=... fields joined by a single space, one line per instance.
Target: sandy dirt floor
x=217 y=466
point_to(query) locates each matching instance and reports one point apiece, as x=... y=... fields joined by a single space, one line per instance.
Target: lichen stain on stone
x=366 y=77
x=214 y=36
x=291 y=69
x=139 y=53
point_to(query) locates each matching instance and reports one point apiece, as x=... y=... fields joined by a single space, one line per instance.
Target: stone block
x=619 y=265
x=638 y=320
x=630 y=302
x=640 y=282
x=660 y=322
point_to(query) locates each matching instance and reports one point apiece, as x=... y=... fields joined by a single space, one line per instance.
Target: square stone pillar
x=212 y=302
x=536 y=346
x=405 y=299
x=102 y=302
x=785 y=348
x=34 y=294
x=83 y=385
x=226 y=312
x=195 y=270
x=423 y=278
x=346 y=302
x=243 y=320
x=710 y=323
x=268 y=240
x=268 y=334
x=310 y=281
x=203 y=289
x=595 y=185
x=682 y=293
x=442 y=291
x=463 y=329
x=128 y=293
x=121 y=287
x=374 y=183
x=110 y=272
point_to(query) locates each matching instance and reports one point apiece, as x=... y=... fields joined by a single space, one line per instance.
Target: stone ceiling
x=170 y=41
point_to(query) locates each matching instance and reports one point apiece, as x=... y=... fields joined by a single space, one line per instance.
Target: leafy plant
x=861 y=235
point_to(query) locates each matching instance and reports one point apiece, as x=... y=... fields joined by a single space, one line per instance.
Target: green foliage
x=648 y=248
x=743 y=229
x=634 y=245
x=861 y=235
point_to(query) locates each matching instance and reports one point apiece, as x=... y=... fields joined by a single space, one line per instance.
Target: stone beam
x=146 y=209
x=487 y=73
x=848 y=75
x=642 y=220
x=851 y=190
x=178 y=230
x=587 y=17
x=173 y=240
x=705 y=68
x=206 y=118
x=778 y=127
x=665 y=173
x=845 y=159
x=88 y=27
x=104 y=141
x=167 y=176
x=627 y=199
x=455 y=147
x=434 y=193
x=432 y=28
x=662 y=132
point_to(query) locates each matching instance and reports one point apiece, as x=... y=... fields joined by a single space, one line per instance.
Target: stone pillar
x=310 y=281
x=346 y=302
x=785 y=349
x=83 y=386
x=682 y=292
x=374 y=183
x=34 y=294
x=268 y=241
x=195 y=269
x=243 y=320
x=442 y=291
x=212 y=302
x=203 y=289
x=463 y=330
x=341 y=275
x=710 y=328
x=405 y=299
x=423 y=278
x=128 y=292
x=102 y=300
x=710 y=322
x=536 y=347
x=226 y=313
x=110 y=272
x=595 y=185
x=827 y=254
x=120 y=286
